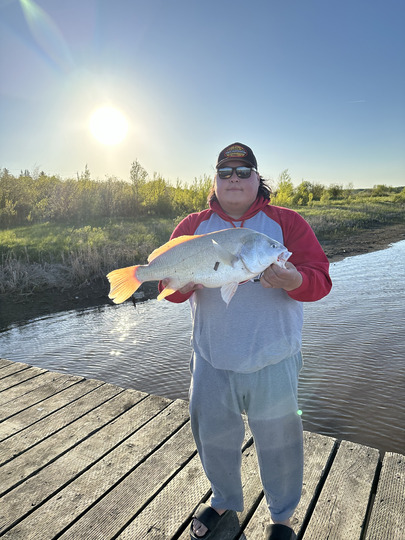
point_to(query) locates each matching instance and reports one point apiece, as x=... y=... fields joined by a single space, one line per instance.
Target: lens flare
x=47 y=35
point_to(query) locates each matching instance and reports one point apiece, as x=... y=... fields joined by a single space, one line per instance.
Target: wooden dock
x=84 y=459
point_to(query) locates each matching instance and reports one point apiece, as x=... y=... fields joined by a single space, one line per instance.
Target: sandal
x=279 y=532
x=206 y=515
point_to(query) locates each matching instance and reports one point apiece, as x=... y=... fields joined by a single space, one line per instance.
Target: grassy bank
x=66 y=255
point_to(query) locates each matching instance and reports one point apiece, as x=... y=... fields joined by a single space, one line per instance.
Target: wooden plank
x=41 y=430
x=37 y=457
x=20 y=377
x=119 y=419
x=48 y=406
x=40 y=388
x=388 y=514
x=318 y=450
x=107 y=517
x=172 y=508
x=76 y=498
x=14 y=367
x=26 y=383
x=4 y=362
x=340 y=511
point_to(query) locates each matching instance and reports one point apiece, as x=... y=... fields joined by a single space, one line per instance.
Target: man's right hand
x=191 y=286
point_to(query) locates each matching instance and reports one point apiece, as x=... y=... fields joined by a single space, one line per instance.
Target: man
x=246 y=356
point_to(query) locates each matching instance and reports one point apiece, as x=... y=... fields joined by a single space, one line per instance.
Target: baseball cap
x=238 y=151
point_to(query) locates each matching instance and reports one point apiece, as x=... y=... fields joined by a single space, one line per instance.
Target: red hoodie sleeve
x=187 y=226
x=307 y=256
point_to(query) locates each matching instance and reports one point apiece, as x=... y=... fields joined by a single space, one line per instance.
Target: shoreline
x=15 y=310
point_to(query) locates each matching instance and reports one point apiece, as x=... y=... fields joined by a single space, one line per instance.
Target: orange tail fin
x=123 y=283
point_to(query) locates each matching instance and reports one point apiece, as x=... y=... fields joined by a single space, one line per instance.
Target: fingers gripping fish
x=220 y=259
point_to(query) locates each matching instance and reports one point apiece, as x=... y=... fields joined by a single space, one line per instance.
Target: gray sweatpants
x=269 y=398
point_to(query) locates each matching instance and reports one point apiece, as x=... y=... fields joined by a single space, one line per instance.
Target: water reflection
x=353 y=381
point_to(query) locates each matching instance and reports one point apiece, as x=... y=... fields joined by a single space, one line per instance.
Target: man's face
x=235 y=190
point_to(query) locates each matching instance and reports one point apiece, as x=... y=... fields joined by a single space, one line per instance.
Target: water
x=353 y=382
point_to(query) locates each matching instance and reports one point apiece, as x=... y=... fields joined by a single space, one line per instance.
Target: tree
x=285 y=189
x=335 y=191
x=138 y=176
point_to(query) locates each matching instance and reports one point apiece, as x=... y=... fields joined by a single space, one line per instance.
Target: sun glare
x=108 y=125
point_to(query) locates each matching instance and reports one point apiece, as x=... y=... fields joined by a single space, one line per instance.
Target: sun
x=108 y=125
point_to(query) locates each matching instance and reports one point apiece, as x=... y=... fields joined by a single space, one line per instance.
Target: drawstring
x=241 y=225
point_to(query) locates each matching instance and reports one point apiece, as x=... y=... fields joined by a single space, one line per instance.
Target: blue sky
x=313 y=86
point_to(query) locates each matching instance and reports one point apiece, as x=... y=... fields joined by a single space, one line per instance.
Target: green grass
x=47 y=255
x=341 y=216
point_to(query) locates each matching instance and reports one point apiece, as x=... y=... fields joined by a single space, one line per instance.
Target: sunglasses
x=241 y=172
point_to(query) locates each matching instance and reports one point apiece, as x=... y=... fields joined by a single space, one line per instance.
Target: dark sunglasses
x=241 y=172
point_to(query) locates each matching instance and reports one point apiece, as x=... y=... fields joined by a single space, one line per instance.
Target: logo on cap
x=235 y=151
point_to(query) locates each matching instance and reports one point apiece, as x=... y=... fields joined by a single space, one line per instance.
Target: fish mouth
x=284 y=256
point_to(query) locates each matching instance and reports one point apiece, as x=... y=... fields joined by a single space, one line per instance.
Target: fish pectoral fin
x=166 y=292
x=224 y=255
x=227 y=291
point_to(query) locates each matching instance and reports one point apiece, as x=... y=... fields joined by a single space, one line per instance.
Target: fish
x=222 y=259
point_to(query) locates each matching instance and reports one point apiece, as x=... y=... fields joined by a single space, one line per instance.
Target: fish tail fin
x=166 y=292
x=123 y=283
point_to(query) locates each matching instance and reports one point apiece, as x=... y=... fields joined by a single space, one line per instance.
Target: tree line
x=38 y=197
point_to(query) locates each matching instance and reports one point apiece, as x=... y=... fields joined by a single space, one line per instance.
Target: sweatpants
x=269 y=398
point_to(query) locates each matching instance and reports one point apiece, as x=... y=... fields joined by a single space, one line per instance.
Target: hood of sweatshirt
x=259 y=204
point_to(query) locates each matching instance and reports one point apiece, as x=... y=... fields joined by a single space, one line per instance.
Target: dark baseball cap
x=238 y=151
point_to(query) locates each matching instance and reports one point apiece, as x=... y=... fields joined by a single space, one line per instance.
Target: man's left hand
x=287 y=278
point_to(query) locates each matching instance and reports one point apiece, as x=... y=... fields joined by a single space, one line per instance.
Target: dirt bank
x=22 y=308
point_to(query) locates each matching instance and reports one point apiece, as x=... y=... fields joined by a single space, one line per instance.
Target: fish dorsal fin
x=227 y=291
x=224 y=255
x=171 y=244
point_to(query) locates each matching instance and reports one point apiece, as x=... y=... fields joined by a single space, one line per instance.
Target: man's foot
x=287 y=522
x=209 y=520
x=280 y=531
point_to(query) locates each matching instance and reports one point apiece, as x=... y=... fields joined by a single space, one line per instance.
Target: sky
x=313 y=86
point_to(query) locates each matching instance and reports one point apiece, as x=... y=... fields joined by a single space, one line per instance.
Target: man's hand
x=186 y=289
x=287 y=278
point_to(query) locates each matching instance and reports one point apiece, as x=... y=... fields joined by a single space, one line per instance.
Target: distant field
x=45 y=255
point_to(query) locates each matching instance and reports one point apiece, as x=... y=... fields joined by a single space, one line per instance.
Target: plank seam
x=371 y=500
x=34 y=376
x=318 y=490
x=22 y=368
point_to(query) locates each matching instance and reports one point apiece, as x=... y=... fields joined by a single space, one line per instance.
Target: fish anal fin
x=224 y=255
x=227 y=291
x=123 y=283
x=166 y=292
x=171 y=244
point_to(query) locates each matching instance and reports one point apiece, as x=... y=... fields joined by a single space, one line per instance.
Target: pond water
x=352 y=385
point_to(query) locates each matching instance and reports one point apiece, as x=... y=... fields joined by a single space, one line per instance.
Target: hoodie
x=260 y=326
